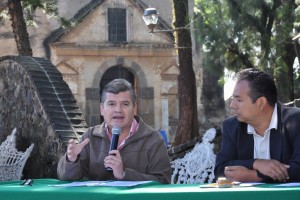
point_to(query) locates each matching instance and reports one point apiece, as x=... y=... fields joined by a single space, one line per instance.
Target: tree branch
x=233 y=48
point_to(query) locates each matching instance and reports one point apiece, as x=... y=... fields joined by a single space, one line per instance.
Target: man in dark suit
x=262 y=141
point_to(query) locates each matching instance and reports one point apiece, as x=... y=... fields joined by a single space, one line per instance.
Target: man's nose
x=118 y=107
x=232 y=104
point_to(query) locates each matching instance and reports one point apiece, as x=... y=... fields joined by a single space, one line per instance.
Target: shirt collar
x=274 y=119
x=133 y=128
x=273 y=123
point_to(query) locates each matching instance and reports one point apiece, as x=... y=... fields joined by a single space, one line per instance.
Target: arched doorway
x=117 y=72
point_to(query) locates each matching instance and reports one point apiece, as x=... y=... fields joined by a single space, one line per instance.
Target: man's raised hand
x=74 y=149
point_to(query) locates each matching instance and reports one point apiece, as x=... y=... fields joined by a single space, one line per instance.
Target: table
x=42 y=190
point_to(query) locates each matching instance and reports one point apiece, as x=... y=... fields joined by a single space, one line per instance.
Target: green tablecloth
x=42 y=190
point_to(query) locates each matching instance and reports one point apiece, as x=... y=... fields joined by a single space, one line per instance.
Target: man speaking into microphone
x=138 y=153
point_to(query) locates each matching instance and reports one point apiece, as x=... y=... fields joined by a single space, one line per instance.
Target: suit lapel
x=276 y=138
x=246 y=143
x=275 y=144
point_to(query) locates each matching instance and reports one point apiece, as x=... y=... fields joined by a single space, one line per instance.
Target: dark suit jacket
x=237 y=145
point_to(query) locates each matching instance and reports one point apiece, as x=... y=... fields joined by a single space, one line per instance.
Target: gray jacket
x=144 y=157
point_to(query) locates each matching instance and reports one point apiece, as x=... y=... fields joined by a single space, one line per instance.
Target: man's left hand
x=114 y=161
x=241 y=174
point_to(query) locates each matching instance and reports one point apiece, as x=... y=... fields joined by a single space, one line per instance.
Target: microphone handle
x=114 y=142
x=113 y=146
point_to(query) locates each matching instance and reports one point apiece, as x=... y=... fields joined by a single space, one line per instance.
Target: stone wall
x=35 y=99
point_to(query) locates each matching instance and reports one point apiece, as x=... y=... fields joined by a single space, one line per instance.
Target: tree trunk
x=19 y=27
x=188 y=119
x=285 y=47
x=286 y=93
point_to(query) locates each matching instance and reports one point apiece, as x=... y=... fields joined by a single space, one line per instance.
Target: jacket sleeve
x=67 y=170
x=231 y=153
x=291 y=131
x=294 y=162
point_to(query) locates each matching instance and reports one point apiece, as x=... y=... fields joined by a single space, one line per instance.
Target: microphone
x=116 y=131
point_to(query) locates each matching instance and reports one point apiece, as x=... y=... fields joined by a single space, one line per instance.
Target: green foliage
x=249 y=33
x=210 y=19
x=47 y=6
x=297 y=16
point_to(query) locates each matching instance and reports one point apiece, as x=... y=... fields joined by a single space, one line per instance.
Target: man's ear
x=261 y=102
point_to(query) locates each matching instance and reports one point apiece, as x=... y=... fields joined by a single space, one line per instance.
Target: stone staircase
x=38 y=102
x=56 y=97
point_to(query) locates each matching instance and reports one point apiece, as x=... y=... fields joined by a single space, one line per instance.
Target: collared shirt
x=133 y=129
x=262 y=143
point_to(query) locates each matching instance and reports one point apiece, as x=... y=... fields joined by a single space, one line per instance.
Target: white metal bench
x=197 y=166
x=12 y=161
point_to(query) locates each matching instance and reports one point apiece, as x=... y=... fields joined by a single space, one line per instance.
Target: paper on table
x=103 y=183
x=250 y=184
x=125 y=183
x=235 y=184
x=83 y=183
x=296 y=184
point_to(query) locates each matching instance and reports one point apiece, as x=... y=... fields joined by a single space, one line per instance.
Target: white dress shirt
x=262 y=143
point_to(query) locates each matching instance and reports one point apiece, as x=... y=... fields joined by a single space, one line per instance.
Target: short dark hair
x=116 y=86
x=261 y=84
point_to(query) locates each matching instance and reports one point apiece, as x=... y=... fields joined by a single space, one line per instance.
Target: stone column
x=165 y=114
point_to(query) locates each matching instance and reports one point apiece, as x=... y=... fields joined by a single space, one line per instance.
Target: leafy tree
x=210 y=21
x=250 y=33
x=21 y=12
x=297 y=49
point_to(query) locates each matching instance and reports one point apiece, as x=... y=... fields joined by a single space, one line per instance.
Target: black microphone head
x=116 y=130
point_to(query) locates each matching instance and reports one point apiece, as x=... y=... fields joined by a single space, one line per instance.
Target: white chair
x=12 y=161
x=197 y=166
